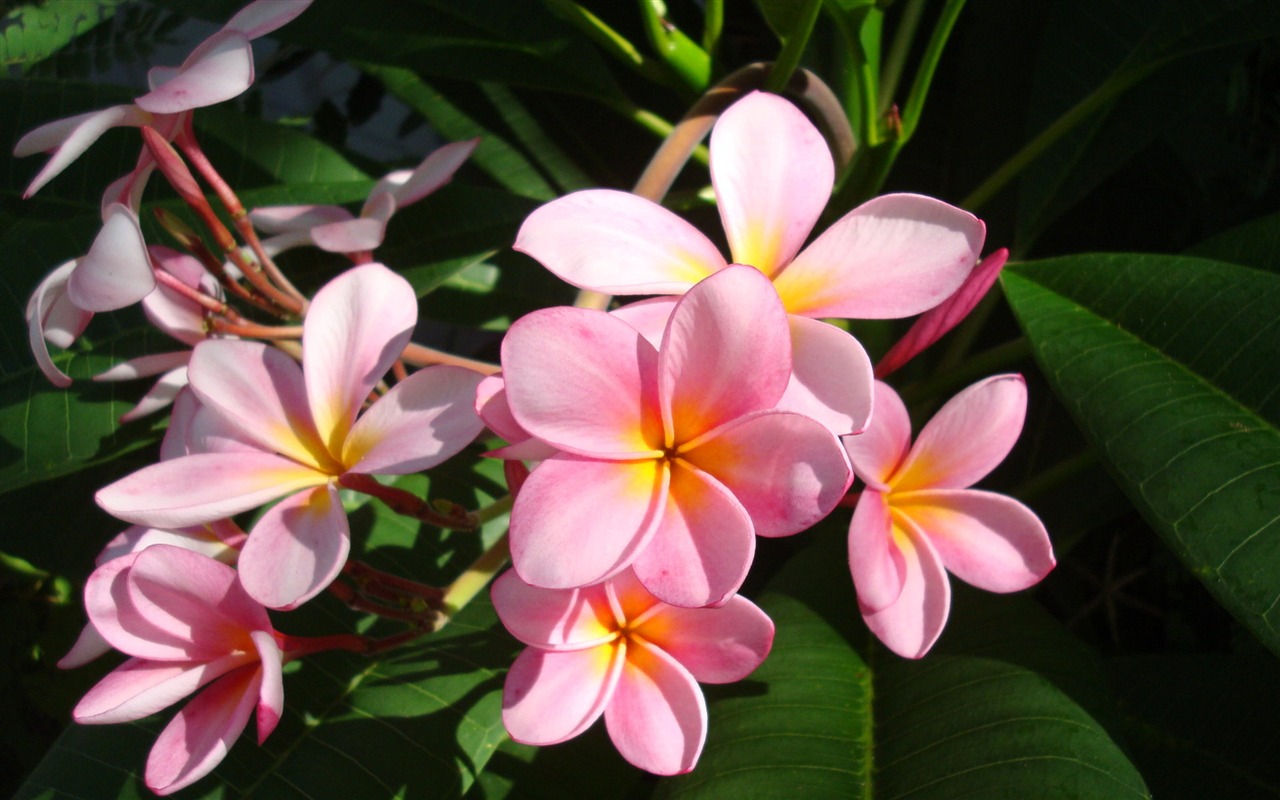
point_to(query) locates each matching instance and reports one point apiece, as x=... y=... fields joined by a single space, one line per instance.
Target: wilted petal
x=773 y=175
x=296 y=549
x=583 y=381
x=356 y=327
x=911 y=625
x=657 y=718
x=220 y=68
x=69 y=138
x=617 y=243
x=968 y=437
x=702 y=549
x=716 y=645
x=893 y=256
x=264 y=16
x=985 y=539
x=878 y=567
x=552 y=696
x=423 y=420
x=198 y=738
x=830 y=377
x=116 y=272
x=726 y=353
x=553 y=619
x=576 y=522
x=877 y=452
x=786 y=470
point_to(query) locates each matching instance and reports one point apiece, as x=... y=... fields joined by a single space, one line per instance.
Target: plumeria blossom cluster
x=646 y=447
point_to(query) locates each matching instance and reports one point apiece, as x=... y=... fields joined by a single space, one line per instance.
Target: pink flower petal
x=936 y=322
x=878 y=567
x=271 y=691
x=68 y=138
x=146 y=366
x=786 y=470
x=196 y=538
x=617 y=243
x=111 y=611
x=163 y=392
x=220 y=68
x=139 y=688
x=968 y=437
x=296 y=549
x=435 y=171
x=726 y=353
x=911 y=625
x=648 y=317
x=831 y=377
x=877 y=452
x=198 y=738
x=553 y=619
x=261 y=391
x=553 y=696
x=584 y=382
x=985 y=539
x=350 y=236
x=716 y=645
x=288 y=219
x=773 y=174
x=357 y=326
x=89 y=645
x=51 y=317
x=422 y=421
x=702 y=549
x=264 y=16
x=893 y=256
x=576 y=522
x=194 y=489
x=116 y=272
x=657 y=718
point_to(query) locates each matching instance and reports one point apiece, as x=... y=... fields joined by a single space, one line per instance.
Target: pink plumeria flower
x=668 y=459
x=615 y=649
x=294 y=432
x=893 y=256
x=918 y=518
x=334 y=229
x=220 y=68
x=187 y=625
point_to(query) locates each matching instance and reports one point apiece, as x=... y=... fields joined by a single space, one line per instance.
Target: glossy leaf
x=1169 y=366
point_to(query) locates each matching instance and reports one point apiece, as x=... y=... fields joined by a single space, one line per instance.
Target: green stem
x=712 y=25
x=928 y=66
x=688 y=62
x=472 y=582
x=898 y=50
x=793 y=48
x=496 y=509
x=607 y=39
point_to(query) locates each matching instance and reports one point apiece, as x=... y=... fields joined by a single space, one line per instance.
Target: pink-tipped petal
x=200 y=488
x=296 y=549
x=198 y=738
x=877 y=565
x=553 y=696
x=220 y=68
x=271 y=691
x=261 y=391
x=936 y=322
x=893 y=256
x=264 y=16
x=357 y=326
x=968 y=437
x=702 y=549
x=553 y=619
x=139 y=688
x=911 y=625
x=422 y=421
x=726 y=353
x=51 y=317
x=116 y=272
x=584 y=382
x=787 y=471
x=877 y=452
x=617 y=243
x=985 y=539
x=831 y=377
x=773 y=174
x=576 y=522
x=435 y=171
x=716 y=645
x=657 y=718
x=69 y=138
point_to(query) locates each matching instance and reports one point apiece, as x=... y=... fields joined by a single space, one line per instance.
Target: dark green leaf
x=1253 y=244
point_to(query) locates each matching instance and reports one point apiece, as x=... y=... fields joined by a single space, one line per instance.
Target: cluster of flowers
x=647 y=446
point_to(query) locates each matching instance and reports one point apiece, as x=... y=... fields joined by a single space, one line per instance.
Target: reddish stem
x=421 y=356
x=410 y=505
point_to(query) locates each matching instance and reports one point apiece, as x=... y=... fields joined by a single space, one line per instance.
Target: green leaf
x=30 y=33
x=1169 y=366
x=1253 y=244
x=996 y=710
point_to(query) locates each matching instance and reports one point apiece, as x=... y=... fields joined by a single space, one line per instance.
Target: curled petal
x=111 y=611
x=657 y=718
x=878 y=567
x=773 y=175
x=553 y=696
x=69 y=138
x=435 y=171
x=716 y=645
x=985 y=539
x=52 y=317
x=968 y=437
x=553 y=619
x=220 y=68
x=264 y=16
x=617 y=243
x=911 y=624
x=116 y=272
x=296 y=549
x=893 y=256
x=271 y=690
x=831 y=377
x=877 y=452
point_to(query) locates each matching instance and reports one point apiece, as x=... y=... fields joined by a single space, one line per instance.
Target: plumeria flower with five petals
x=293 y=432
x=918 y=518
x=615 y=650
x=894 y=256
